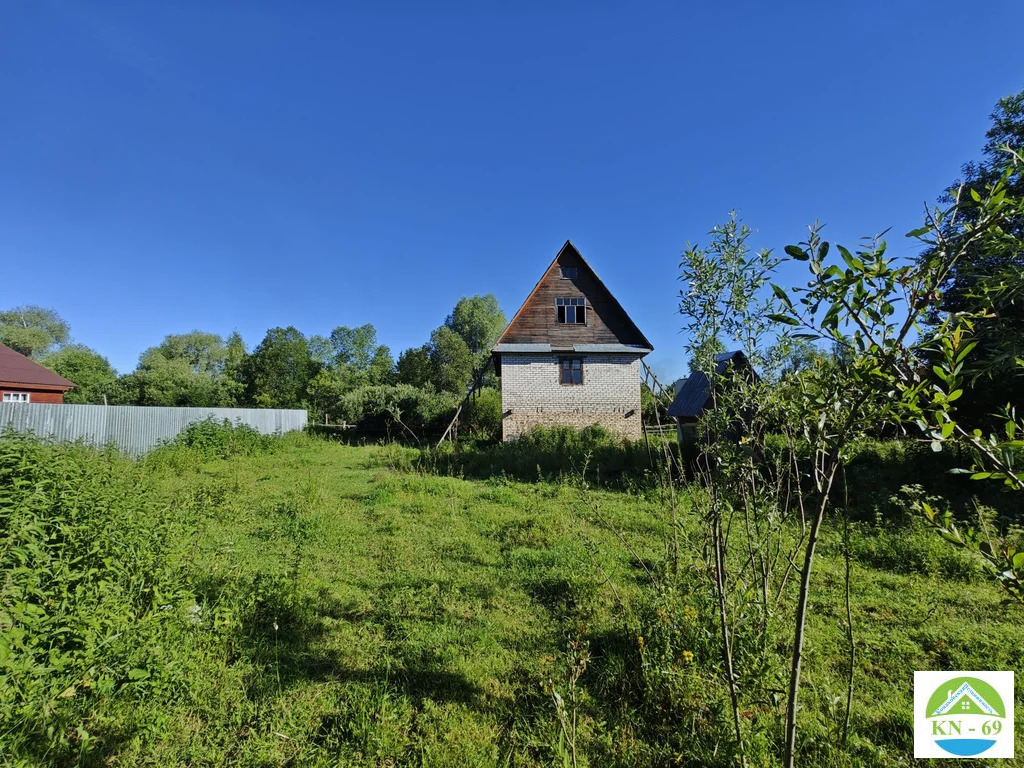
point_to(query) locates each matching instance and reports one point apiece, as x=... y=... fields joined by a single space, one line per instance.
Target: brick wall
x=531 y=394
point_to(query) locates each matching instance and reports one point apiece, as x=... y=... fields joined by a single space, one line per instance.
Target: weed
x=308 y=606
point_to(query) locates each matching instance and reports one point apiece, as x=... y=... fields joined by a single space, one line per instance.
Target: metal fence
x=134 y=429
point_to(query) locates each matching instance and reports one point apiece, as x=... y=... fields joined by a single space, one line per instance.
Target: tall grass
x=212 y=439
x=592 y=454
x=877 y=470
x=317 y=604
x=88 y=591
x=98 y=613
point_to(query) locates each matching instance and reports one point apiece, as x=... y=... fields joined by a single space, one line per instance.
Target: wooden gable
x=607 y=322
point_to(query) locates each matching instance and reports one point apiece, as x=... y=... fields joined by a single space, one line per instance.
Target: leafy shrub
x=397 y=410
x=87 y=590
x=557 y=452
x=397 y=457
x=878 y=469
x=481 y=417
x=222 y=440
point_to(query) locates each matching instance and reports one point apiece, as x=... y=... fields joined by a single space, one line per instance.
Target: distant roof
x=693 y=394
x=16 y=369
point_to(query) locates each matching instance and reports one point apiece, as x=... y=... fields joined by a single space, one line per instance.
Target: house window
x=569 y=273
x=16 y=397
x=570 y=370
x=571 y=311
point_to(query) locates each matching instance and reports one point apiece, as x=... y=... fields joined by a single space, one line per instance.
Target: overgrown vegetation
x=91 y=601
x=211 y=439
x=554 y=454
x=764 y=503
x=313 y=606
x=878 y=471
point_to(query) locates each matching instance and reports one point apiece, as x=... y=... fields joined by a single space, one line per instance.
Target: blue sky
x=170 y=166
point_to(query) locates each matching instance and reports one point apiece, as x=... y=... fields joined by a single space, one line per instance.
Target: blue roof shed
x=693 y=394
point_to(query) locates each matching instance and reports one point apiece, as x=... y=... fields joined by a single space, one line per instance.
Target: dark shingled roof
x=15 y=368
x=693 y=394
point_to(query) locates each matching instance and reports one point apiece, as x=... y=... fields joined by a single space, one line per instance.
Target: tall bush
x=87 y=585
x=399 y=410
x=482 y=415
x=593 y=454
x=213 y=439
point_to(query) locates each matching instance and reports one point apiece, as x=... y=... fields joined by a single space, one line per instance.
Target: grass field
x=339 y=609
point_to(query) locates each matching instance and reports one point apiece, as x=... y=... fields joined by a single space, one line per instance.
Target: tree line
x=346 y=375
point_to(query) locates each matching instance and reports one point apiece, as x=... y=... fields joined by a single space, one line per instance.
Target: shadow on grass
x=282 y=633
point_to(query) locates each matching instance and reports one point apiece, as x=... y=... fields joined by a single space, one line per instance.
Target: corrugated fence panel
x=134 y=429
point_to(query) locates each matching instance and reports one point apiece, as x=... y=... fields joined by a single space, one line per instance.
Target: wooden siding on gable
x=607 y=322
x=34 y=395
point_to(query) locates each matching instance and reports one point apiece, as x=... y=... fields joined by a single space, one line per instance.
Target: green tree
x=354 y=346
x=399 y=410
x=321 y=350
x=32 y=330
x=280 y=369
x=722 y=299
x=234 y=364
x=160 y=380
x=204 y=353
x=998 y=327
x=451 y=362
x=710 y=348
x=187 y=369
x=382 y=366
x=804 y=355
x=413 y=367
x=92 y=373
x=127 y=390
x=873 y=306
x=478 y=320
x=325 y=392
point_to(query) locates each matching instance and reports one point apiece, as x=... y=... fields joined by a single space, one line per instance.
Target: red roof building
x=25 y=381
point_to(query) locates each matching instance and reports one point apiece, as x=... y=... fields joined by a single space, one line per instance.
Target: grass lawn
x=431 y=609
x=352 y=614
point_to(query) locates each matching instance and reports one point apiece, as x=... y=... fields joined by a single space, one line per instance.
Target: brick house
x=571 y=355
x=25 y=381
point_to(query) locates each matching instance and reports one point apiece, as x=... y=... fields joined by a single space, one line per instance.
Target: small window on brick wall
x=570 y=370
x=571 y=311
x=16 y=397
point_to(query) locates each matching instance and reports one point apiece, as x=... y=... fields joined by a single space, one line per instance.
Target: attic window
x=570 y=370
x=569 y=273
x=571 y=311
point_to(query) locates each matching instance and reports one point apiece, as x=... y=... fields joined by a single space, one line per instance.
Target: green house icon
x=965 y=700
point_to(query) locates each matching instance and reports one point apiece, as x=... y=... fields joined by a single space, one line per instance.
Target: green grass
x=429 y=609
x=339 y=612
